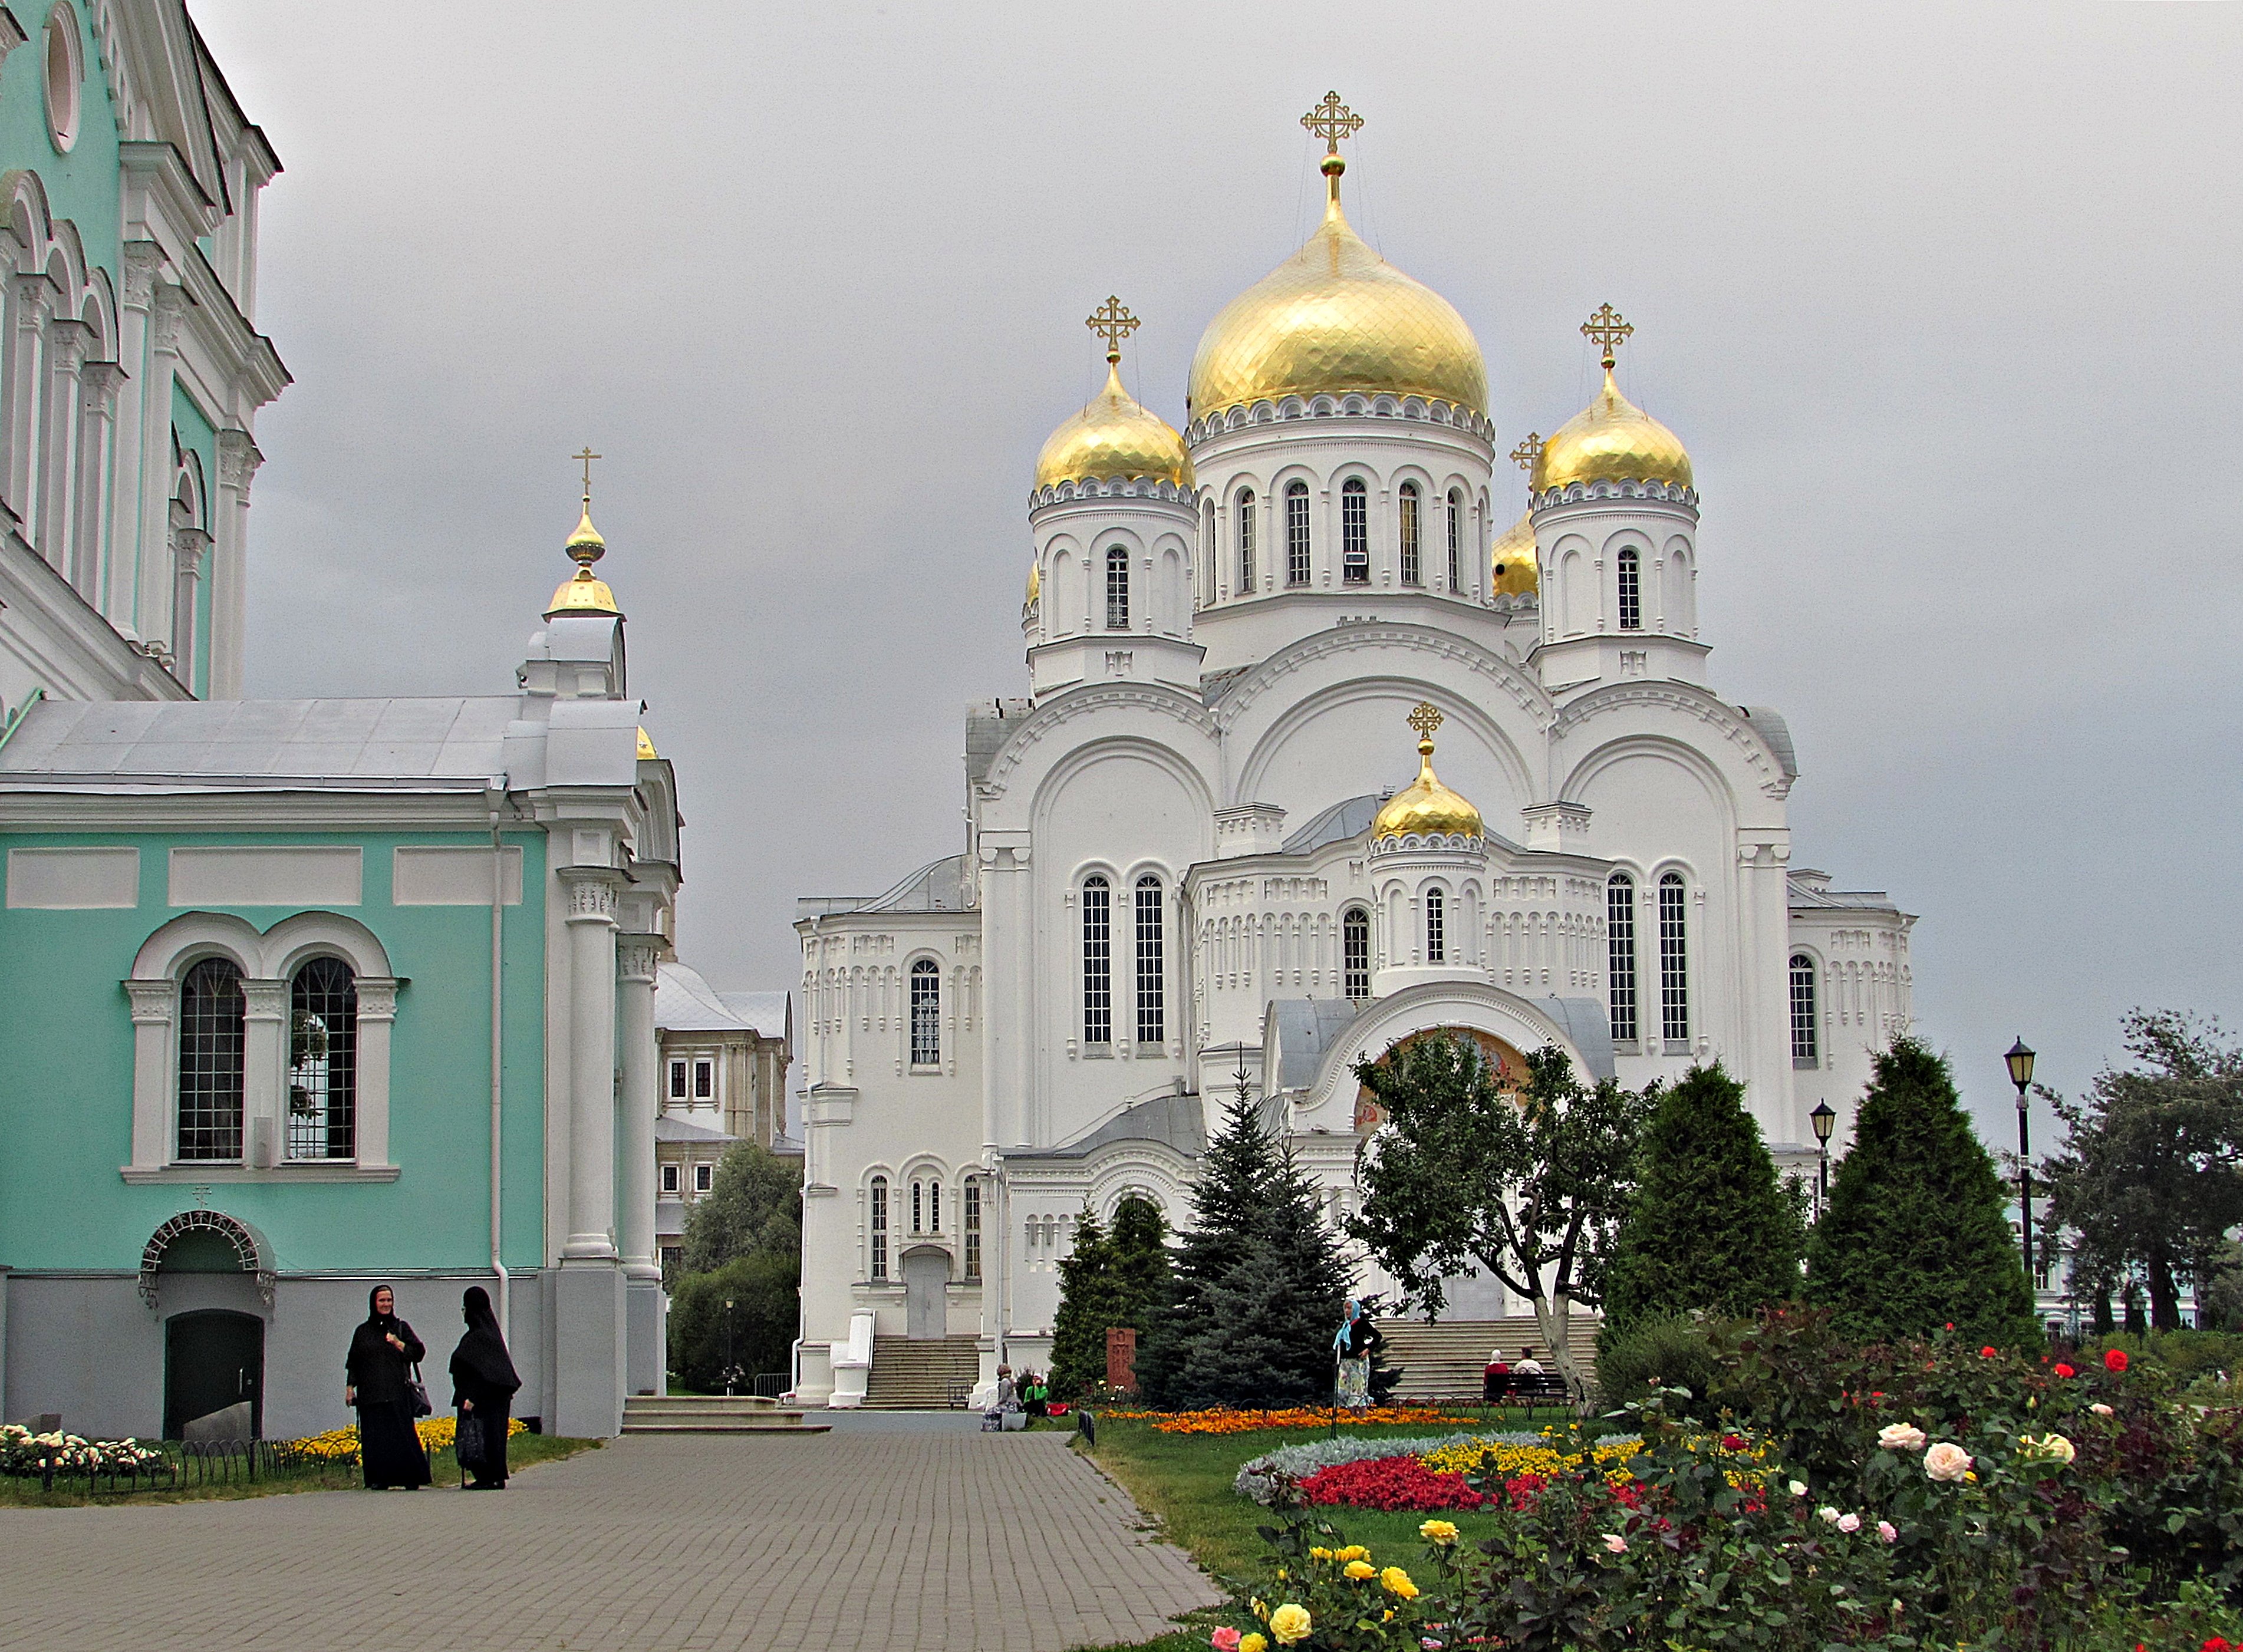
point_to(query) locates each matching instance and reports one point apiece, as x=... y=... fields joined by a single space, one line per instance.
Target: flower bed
x=1241 y=1422
x=1257 y=1477
x=24 y=1455
x=1430 y=1474
x=340 y=1444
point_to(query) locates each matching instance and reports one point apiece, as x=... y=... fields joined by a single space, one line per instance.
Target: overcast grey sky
x=1944 y=301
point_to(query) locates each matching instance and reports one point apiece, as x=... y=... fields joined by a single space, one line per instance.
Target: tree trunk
x=1552 y=1317
x=2164 y=1295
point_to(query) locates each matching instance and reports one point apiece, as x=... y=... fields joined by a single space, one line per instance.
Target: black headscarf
x=376 y=1369
x=482 y=1357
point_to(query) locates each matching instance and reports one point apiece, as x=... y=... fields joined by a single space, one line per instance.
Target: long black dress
x=388 y=1445
x=483 y=1374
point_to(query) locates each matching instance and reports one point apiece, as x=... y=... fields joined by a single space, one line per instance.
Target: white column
x=591 y=923
x=122 y=604
x=238 y=461
x=265 y=1072
x=152 y=503
x=67 y=343
x=97 y=386
x=190 y=548
x=634 y=961
x=33 y=296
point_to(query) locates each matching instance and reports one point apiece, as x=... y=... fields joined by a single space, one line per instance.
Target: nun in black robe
x=382 y=1352
x=483 y=1381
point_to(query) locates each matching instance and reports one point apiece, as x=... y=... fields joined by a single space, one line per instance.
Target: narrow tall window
x=1355 y=950
x=704 y=1081
x=1097 y=962
x=1355 y=532
x=1436 y=928
x=1117 y=589
x=704 y=1177
x=879 y=1227
x=1296 y=533
x=1152 y=976
x=1620 y=955
x=919 y=1207
x=1673 y=961
x=678 y=1081
x=1806 y=1047
x=669 y=1179
x=925 y=1013
x=1245 y=542
x=973 y=1224
x=1456 y=537
x=1631 y=592
x=211 y=1007
x=1408 y=545
x=934 y=1207
x=323 y=1061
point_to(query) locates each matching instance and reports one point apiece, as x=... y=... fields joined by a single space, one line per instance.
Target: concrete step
x=920 y=1374
x=1444 y=1361
x=685 y=1413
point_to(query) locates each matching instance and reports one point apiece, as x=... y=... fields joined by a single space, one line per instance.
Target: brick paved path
x=902 y=1532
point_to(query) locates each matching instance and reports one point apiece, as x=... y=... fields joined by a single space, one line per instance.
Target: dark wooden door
x=213 y=1359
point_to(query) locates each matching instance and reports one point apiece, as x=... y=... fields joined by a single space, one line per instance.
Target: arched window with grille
x=1117 y=589
x=1456 y=537
x=919 y=1205
x=1806 y=1043
x=1097 y=961
x=1355 y=953
x=934 y=1205
x=1631 y=591
x=1355 y=532
x=1673 y=963
x=878 y=1226
x=1296 y=533
x=211 y=1064
x=1437 y=945
x=1619 y=955
x=1152 y=973
x=972 y=1224
x=1245 y=542
x=925 y=1013
x=1407 y=511
x=323 y=1061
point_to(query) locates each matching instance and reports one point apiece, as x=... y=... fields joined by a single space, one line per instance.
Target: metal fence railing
x=768 y=1384
x=181 y=1466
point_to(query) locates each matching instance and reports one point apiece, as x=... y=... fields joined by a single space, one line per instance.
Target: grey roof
x=787 y=1146
x=770 y=1013
x=938 y=886
x=1811 y=889
x=1340 y=821
x=1216 y=684
x=1306 y=1030
x=685 y=1003
x=668 y=1127
x=1771 y=726
x=1171 y=1119
x=337 y=743
x=670 y=1218
x=1586 y=1022
x=989 y=724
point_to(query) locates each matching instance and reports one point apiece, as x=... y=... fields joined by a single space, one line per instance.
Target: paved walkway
x=890 y=1533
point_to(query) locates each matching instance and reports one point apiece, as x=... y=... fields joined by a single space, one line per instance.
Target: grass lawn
x=522 y=1452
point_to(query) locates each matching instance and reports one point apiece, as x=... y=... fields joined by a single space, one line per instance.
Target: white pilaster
x=142 y=260
x=68 y=341
x=29 y=300
x=237 y=462
x=591 y=925
x=152 y=500
x=99 y=383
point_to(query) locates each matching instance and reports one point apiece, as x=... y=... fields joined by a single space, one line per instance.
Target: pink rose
x=1615 y=1543
x=2101 y=1410
x=1947 y=1461
x=1849 y=1522
x=1225 y=1640
x=1887 y=1530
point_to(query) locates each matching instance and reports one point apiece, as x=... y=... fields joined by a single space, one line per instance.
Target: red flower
x=2220 y=1644
x=1989 y=1353
x=2114 y=1358
x=1950 y=1324
x=1388 y=1482
x=1733 y=1442
x=2063 y=1370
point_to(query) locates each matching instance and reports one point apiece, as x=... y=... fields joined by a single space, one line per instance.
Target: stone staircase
x=1444 y=1361
x=919 y=1375
x=687 y=1413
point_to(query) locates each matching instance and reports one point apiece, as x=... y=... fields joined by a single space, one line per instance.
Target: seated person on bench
x=1495 y=1381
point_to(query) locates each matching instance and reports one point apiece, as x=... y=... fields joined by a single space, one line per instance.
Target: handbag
x=467 y=1442
x=416 y=1392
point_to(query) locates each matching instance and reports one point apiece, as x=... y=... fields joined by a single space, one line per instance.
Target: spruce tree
x=1711 y=1228
x=1087 y=1307
x=1917 y=1235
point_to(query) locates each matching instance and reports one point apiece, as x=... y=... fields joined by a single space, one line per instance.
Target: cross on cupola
x=1426 y=719
x=1332 y=120
x=587 y=457
x=1607 y=328
x=1527 y=451
x=1112 y=322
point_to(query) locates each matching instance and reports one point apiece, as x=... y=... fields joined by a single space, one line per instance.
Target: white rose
x=1799 y=1488
x=1902 y=1436
x=2100 y=1411
x=1947 y=1461
x=1827 y=1515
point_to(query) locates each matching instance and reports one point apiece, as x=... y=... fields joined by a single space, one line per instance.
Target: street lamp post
x=1824 y=1118
x=2020 y=1061
x=731 y=1370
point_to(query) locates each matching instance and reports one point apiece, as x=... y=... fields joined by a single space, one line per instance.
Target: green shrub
x=758 y=1332
x=1632 y=1359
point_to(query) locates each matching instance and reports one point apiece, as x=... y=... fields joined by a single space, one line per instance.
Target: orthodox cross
x=1527 y=451
x=202 y=1199
x=1607 y=329
x=1425 y=719
x=1112 y=322
x=1332 y=120
x=588 y=456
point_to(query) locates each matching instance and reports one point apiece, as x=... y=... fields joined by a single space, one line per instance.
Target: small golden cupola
x=1425 y=808
x=1115 y=438
x=583 y=592
x=1513 y=569
x=1612 y=439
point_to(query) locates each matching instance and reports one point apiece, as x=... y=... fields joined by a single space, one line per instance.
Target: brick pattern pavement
x=923 y=1533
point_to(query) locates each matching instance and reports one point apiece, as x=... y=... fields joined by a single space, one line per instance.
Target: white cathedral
x=1196 y=860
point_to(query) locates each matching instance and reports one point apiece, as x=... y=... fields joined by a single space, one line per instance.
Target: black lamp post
x=2021 y=1066
x=731 y=1370
x=1824 y=1118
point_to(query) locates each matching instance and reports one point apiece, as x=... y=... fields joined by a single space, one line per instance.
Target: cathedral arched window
x=1152 y=971
x=1355 y=954
x=918 y=1206
x=1437 y=945
x=1117 y=589
x=1296 y=533
x=1097 y=961
x=1673 y=963
x=323 y=1061
x=1456 y=537
x=211 y=1061
x=1355 y=532
x=1407 y=507
x=1806 y=1046
x=972 y=1227
x=925 y=1013
x=879 y=1227
x=1619 y=955
x=1245 y=542
x=1631 y=591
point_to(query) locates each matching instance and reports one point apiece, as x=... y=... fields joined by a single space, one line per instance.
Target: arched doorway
x=214 y=1361
x=926 y=1280
x=1509 y=1065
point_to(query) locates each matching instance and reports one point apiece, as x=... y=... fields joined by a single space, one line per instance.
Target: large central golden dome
x=1333 y=317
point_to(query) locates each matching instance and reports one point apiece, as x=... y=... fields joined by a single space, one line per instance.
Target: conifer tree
x=1710 y=1229
x=1086 y=1306
x=1916 y=1236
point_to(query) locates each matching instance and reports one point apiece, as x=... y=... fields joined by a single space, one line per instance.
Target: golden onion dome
x=1511 y=559
x=1035 y=584
x=1612 y=439
x=1335 y=317
x=1114 y=438
x=1424 y=807
x=583 y=592
x=646 y=751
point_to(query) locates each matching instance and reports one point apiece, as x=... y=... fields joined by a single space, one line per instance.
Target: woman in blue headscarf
x=1352 y=1345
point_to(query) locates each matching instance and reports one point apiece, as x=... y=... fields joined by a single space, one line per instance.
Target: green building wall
x=85 y=185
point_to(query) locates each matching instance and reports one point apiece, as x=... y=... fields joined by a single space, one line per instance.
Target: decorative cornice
x=1068 y=704
x=1700 y=703
x=1523 y=691
x=239 y=460
x=1415 y=409
x=1585 y=493
x=142 y=260
x=1427 y=842
x=592 y=893
x=1140 y=488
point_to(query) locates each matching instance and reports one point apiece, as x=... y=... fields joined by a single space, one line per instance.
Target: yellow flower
x=1289 y=1623
x=1387 y=1616
x=1260 y=1610
x=1320 y=1553
x=1395 y=1581
x=1360 y=1569
x=1355 y=1552
x=1253 y=1643
x=1439 y=1531
x=1281 y=1573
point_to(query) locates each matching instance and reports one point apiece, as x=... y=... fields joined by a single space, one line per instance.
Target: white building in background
x=1195 y=846
x=723 y=1062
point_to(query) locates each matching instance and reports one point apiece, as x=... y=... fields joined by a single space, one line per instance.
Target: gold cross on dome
x=1607 y=329
x=588 y=456
x=1112 y=322
x=1425 y=719
x=1332 y=120
x=1527 y=451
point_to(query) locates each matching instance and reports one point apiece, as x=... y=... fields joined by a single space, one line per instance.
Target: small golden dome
x=587 y=537
x=1114 y=438
x=1612 y=439
x=1035 y=584
x=1426 y=806
x=1333 y=317
x=646 y=751
x=582 y=592
x=1510 y=560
